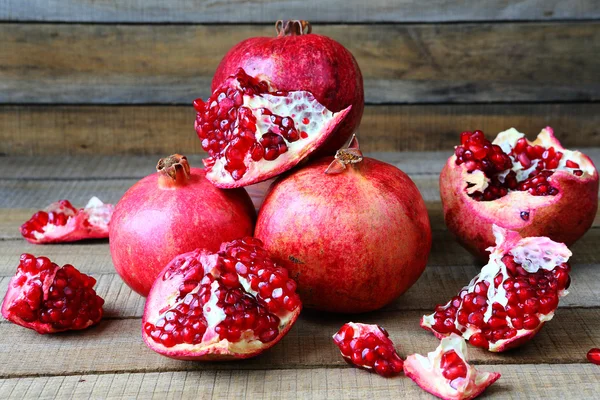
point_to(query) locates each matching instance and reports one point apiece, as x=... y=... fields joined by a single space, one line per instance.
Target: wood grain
x=50 y=63
x=536 y=381
x=240 y=11
x=93 y=130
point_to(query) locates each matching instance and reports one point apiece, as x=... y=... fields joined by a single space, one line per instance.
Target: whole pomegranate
x=512 y=297
x=170 y=212
x=234 y=303
x=354 y=232
x=297 y=59
x=535 y=188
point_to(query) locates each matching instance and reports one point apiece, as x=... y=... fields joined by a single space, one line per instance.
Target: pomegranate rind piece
x=564 y=217
x=90 y=222
x=212 y=348
x=427 y=372
x=532 y=254
x=393 y=362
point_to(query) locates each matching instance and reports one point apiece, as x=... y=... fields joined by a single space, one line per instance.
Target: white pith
x=478 y=182
x=304 y=105
x=533 y=253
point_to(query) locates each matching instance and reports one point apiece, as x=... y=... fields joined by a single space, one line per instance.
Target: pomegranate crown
x=350 y=154
x=292 y=27
x=173 y=170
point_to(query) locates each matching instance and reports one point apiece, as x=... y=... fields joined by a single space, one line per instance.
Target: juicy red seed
x=593 y=356
x=452 y=366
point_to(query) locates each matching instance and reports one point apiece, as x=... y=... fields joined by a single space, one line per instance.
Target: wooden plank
x=93 y=130
x=49 y=63
x=239 y=11
x=115 y=346
x=535 y=381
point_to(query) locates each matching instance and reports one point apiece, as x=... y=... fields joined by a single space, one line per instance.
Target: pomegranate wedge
x=252 y=132
x=445 y=372
x=512 y=297
x=61 y=222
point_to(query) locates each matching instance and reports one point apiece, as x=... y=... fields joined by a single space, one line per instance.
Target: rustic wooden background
x=104 y=77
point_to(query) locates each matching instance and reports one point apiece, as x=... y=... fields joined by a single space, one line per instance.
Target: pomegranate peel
x=253 y=132
x=512 y=297
x=60 y=222
x=47 y=298
x=368 y=347
x=536 y=188
x=232 y=304
x=445 y=372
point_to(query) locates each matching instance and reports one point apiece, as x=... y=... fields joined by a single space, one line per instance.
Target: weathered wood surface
x=241 y=11
x=91 y=130
x=74 y=63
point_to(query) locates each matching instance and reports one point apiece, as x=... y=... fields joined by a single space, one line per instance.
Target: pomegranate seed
x=593 y=356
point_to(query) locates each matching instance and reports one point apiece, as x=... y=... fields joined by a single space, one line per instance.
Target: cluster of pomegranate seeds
x=69 y=303
x=245 y=284
x=368 y=346
x=529 y=296
x=223 y=120
x=478 y=153
x=453 y=366
x=60 y=214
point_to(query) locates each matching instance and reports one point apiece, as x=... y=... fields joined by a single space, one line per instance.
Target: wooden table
x=110 y=360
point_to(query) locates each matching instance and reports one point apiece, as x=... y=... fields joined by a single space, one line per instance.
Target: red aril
x=535 y=188
x=512 y=297
x=47 y=298
x=593 y=356
x=253 y=131
x=235 y=303
x=353 y=231
x=60 y=222
x=368 y=347
x=297 y=59
x=445 y=372
x=171 y=212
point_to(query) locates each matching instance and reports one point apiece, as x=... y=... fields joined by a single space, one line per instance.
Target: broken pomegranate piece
x=252 y=132
x=445 y=372
x=512 y=297
x=217 y=306
x=368 y=347
x=47 y=298
x=60 y=222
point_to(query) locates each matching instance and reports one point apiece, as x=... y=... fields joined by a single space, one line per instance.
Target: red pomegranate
x=253 y=132
x=512 y=297
x=170 y=212
x=354 y=237
x=47 y=298
x=535 y=188
x=445 y=372
x=232 y=304
x=297 y=59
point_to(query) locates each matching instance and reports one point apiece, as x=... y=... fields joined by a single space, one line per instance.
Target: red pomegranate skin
x=310 y=62
x=353 y=241
x=151 y=225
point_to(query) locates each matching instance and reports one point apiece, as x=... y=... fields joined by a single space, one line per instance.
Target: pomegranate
x=232 y=304
x=512 y=297
x=354 y=237
x=171 y=212
x=593 y=355
x=253 y=132
x=300 y=60
x=47 y=298
x=535 y=188
x=368 y=347
x=445 y=372
x=61 y=222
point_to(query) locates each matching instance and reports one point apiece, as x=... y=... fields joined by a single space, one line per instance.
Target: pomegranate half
x=512 y=297
x=353 y=231
x=297 y=59
x=171 y=212
x=232 y=304
x=535 y=188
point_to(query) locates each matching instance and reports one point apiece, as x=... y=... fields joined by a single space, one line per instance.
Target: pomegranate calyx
x=174 y=171
x=350 y=154
x=292 y=27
